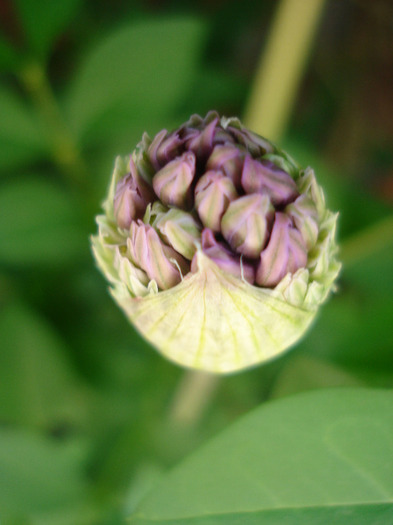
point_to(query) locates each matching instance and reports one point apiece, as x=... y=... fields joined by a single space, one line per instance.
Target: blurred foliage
x=85 y=402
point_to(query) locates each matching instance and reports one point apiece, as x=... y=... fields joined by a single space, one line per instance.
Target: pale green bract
x=213 y=320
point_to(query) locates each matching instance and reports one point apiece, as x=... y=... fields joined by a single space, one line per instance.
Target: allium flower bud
x=262 y=176
x=172 y=183
x=246 y=224
x=180 y=230
x=228 y=159
x=131 y=198
x=160 y=262
x=217 y=245
x=163 y=148
x=213 y=193
x=285 y=253
x=202 y=143
x=224 y=258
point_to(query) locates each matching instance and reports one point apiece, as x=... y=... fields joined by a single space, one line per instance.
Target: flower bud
x=262 y=176
x=213 y=193
x=285 y=252
x=246 y=224
x=179 y=230
x=216 y=244
x=254 y=144
x=224 y=258
x=229 y=159
x=172 y=183
x=160 y=262
x=304 y=214
x=163 y=148
x=131 y=198
x=202 y=143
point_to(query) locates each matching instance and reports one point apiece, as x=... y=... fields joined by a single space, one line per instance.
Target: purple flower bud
x=224 y=258
x=202 y=143
x=164 y=148
x=172 y=183
x=262 y=176
x=285 y=253
x=132 y=195
x=160 y=262
x=222 y=136
x=246 y=224
x=255 y=144
x=180 y=230
x=228 y=159
x=304 y=214
x=213 y=193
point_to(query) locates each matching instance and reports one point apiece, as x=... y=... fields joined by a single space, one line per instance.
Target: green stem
x=281 y=67
x=65 y=151
x=367 y=241
x=191 y=398
x=268 y=111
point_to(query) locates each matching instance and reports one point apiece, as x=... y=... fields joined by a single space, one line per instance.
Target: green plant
x=91 y=418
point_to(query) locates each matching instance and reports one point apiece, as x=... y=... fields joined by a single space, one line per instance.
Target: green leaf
x=37 y=384
x=303 y=372
x=22 y=138
x=44 y=20
x=38 y=474
x=39 y=224
x=138 y=73
x=353 y=329
x=9 y=58
x=318 y=457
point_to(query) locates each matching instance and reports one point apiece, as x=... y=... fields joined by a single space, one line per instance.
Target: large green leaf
x=39 y=475
x=44 y=20
x=138 y=73
x=22 y=138
x=318 y=457
x=39 y=223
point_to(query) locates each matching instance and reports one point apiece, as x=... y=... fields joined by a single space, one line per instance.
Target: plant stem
x=367 y=241
x=270 y=105
x=65 y=151
x=191 y=398
x=281 y=67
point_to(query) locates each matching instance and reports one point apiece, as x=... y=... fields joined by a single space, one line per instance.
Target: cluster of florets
x=218 y=188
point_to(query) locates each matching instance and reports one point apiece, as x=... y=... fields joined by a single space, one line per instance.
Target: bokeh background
x=85 y=403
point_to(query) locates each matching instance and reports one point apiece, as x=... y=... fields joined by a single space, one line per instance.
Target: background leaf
x=22 y=138
x=138 y=73
x=39 y=475
x=9 y=58
x=39 y=223
x=44 y=20
x=38 y=386
x=326 y=449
